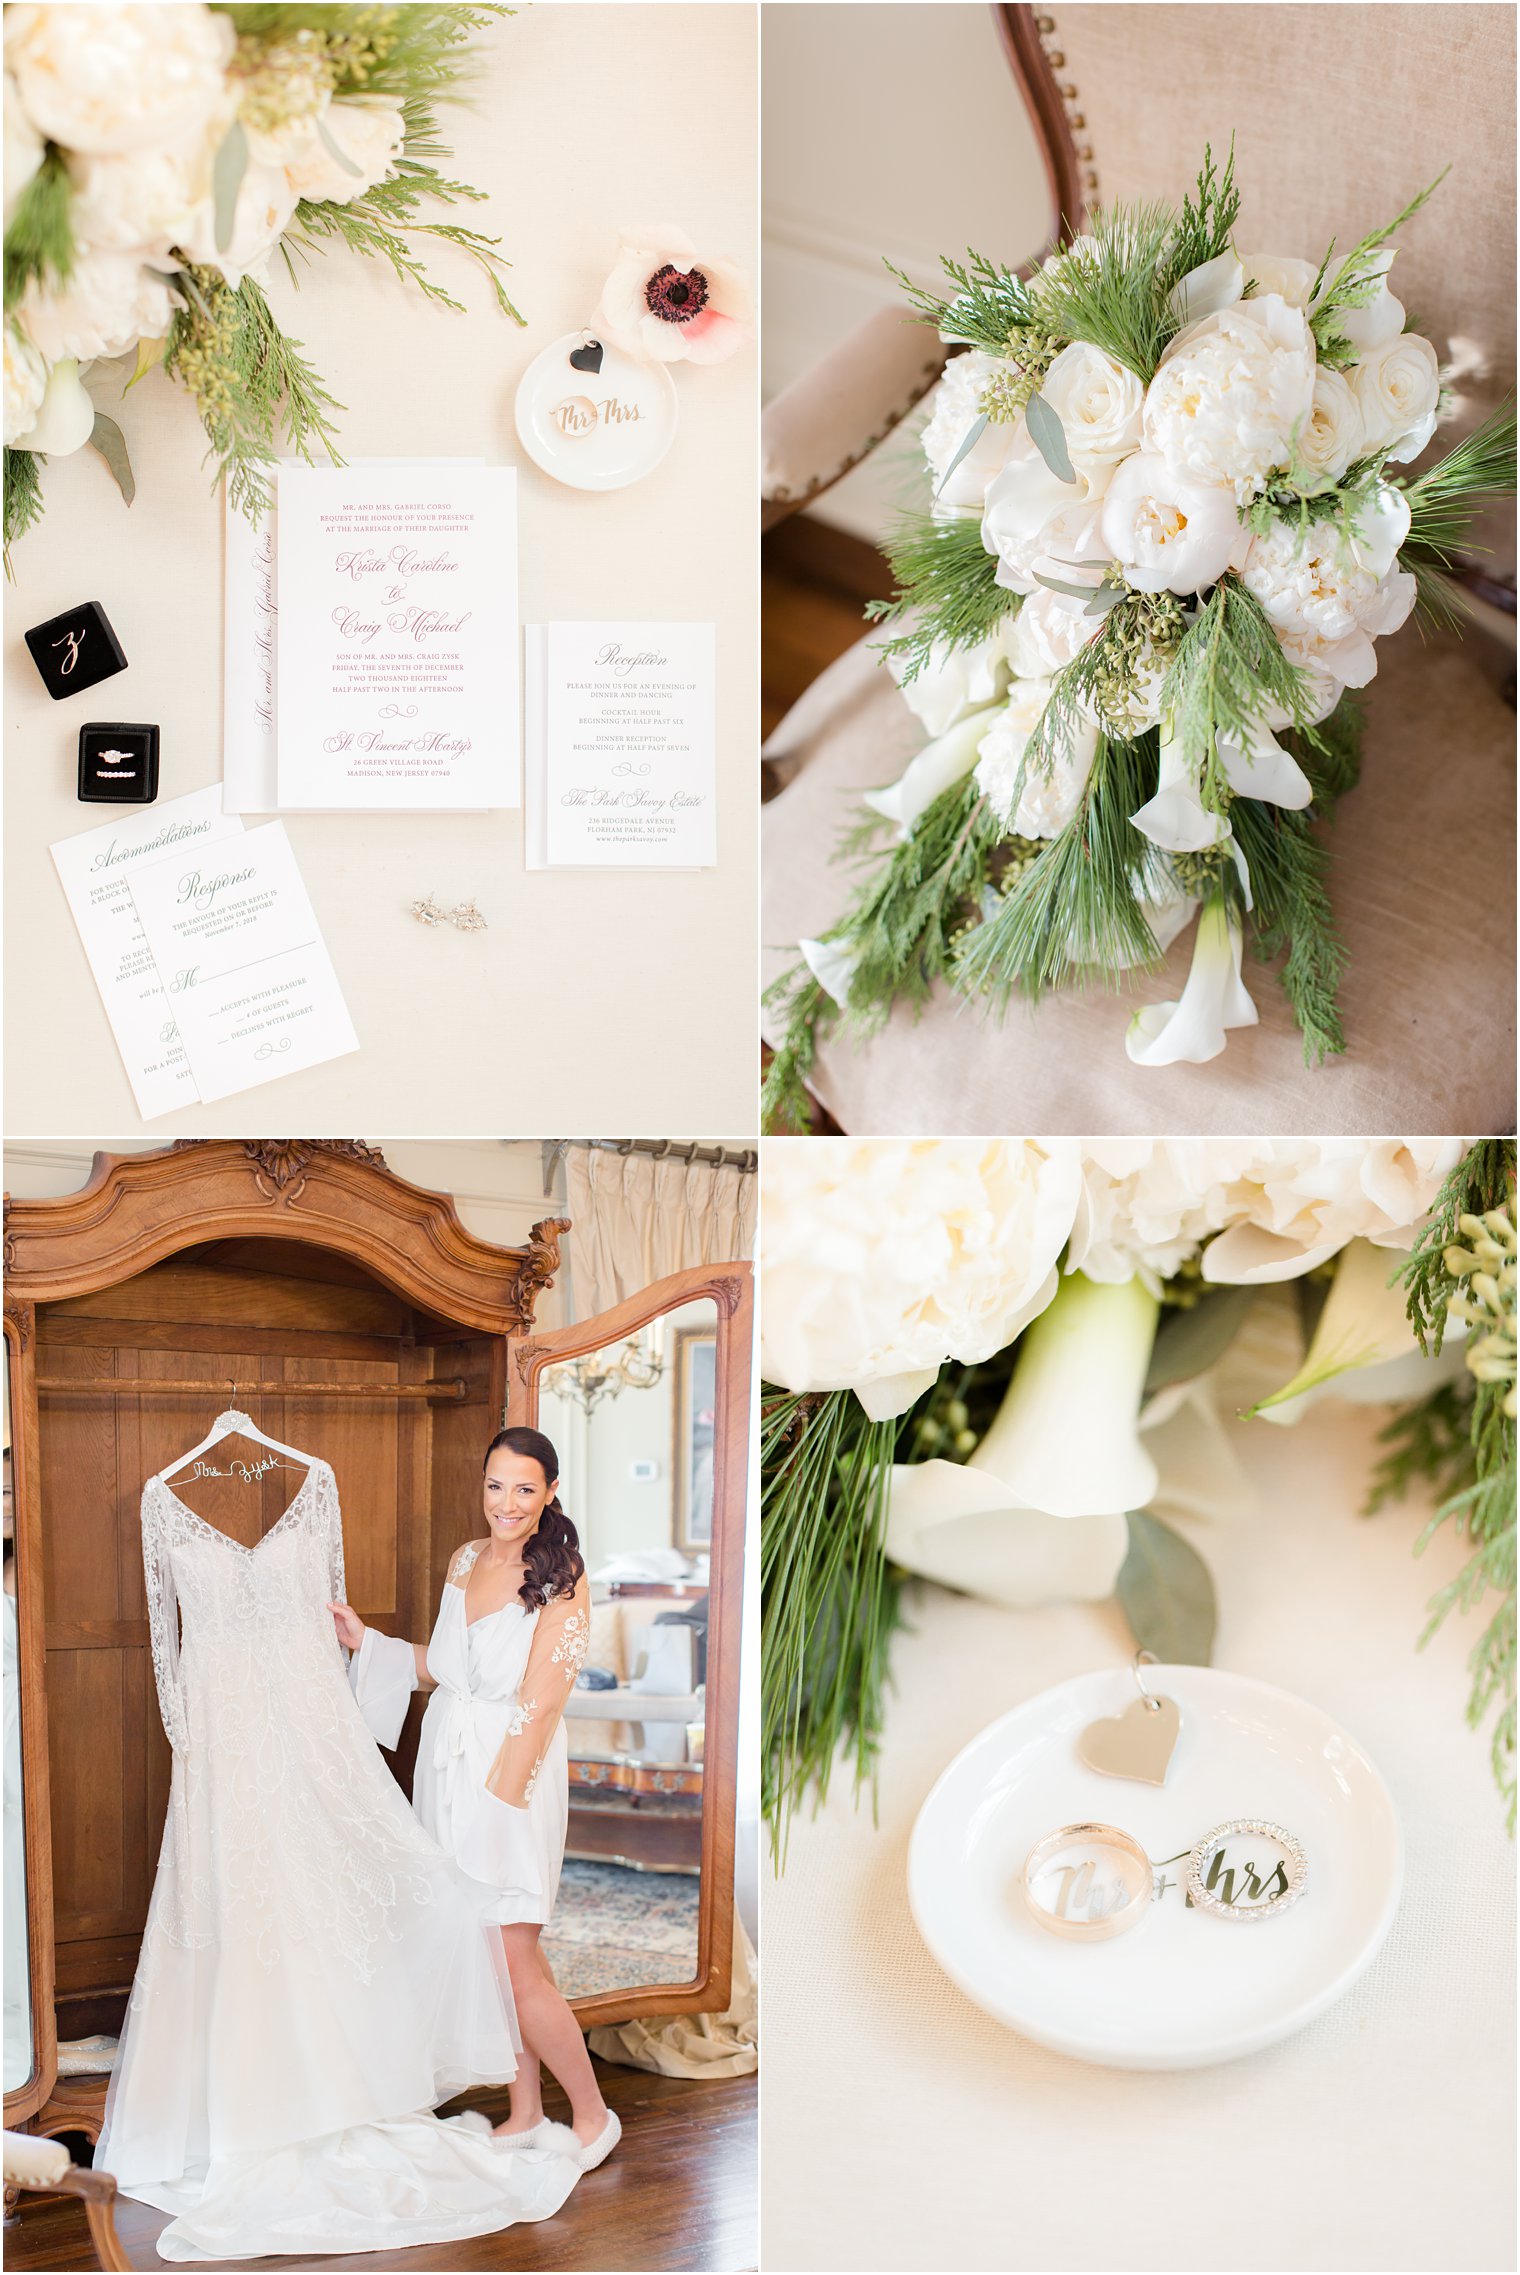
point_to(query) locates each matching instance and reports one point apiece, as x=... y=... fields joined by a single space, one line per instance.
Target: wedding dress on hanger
x=315 y=1973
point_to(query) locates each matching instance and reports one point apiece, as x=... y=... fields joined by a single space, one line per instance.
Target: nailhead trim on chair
x=1076 y=120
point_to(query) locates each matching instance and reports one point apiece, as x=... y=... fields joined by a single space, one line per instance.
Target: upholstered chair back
x=1339 y=113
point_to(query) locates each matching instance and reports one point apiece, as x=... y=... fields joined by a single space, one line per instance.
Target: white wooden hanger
x=232 y=1423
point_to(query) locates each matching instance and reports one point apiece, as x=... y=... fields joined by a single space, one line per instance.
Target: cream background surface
x=906 y=2129
x=605 y=1001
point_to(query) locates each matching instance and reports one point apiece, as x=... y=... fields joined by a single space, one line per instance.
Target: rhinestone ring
x=1295 y=1864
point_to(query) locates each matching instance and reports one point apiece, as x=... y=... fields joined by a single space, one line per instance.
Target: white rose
x=954 y=680
x=109 y=303
x=1333 y=434
x=265 y=204
x=1050 y=629
x=107 y=79
x=1099 y=405
x=1169 y=533
x=1294 y=1201
x=23 y=148
x=1230 y=393
x=1330 y=591
x=1038 y=524
x=1291 y=280
x=957 y=407
x=1049 y=800
x=370 y=137
x=66 y=419
x=881 y=1258
x=144 y=203
x=25 y=385
x=1398 y=389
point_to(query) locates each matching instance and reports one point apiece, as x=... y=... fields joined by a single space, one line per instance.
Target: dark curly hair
x=552 y=1551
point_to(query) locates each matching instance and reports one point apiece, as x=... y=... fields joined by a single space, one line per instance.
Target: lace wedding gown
x=492 y=1782
x=315 y=1973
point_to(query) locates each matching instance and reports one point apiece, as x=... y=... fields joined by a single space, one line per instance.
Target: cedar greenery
x=39 y=238
x=251 y=384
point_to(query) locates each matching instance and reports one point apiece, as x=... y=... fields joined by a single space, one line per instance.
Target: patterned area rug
x=612 y=1927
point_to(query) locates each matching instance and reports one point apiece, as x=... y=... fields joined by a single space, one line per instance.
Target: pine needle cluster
x=947 y=589
x=39 y=237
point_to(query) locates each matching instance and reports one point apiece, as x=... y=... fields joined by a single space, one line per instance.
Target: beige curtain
x=637 y=1218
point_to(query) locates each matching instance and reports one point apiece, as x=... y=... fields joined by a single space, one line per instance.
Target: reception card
x=621 y=747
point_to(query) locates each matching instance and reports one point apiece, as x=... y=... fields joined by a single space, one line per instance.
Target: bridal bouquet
x=1167 y=530
x=989 y=1364
x=156 y=160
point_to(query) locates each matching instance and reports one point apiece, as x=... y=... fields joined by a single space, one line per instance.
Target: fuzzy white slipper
x=596 y=2152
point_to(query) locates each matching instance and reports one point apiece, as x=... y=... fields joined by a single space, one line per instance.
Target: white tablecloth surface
x=904 y=2128
x=593 y=1001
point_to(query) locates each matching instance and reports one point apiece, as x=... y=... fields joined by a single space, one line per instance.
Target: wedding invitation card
x=396 y=591
x=621 y=746
x=250 y=783
x=97 y=870
x=243 y=961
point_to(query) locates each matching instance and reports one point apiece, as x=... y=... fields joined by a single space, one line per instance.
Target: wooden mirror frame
x=731 y=1290
x=133 y=1212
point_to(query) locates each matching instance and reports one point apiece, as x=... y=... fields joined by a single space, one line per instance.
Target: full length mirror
x=634 y=1422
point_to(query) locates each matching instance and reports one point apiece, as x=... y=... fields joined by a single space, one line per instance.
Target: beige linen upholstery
x=1422 y=879
x=843 y=405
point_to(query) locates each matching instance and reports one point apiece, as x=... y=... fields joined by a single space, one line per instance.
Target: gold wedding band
x=1112 y=1920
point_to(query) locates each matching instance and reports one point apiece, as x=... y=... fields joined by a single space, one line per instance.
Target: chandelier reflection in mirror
x=636 y=1364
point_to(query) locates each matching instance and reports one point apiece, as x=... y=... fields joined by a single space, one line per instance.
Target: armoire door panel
x=85 y=1730
x=78 y=1440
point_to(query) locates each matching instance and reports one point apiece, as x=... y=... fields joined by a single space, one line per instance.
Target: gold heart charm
x=1138 y=1743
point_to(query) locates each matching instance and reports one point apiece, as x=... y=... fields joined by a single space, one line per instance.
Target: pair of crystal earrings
x=465 y=918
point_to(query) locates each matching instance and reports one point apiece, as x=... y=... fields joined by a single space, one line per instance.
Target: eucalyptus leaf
x=1076 y=592
x=334 y=151
x=1166 y=1593
x=226 y=180
x=969 y=441
x=1049 y=437
x=1188 y=1342
x=1105 y=598
x=107 y=437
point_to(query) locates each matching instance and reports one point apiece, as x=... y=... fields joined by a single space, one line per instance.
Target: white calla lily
x=1193 y=1029
x=1256 y=766
x=1039 y=1513
x=946 y=760
x=66 y=416
x=1364 y=1348
x=832 y=965
x=1176 y=818
x=1213 y=285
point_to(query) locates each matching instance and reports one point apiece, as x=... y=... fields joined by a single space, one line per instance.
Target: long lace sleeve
x=327 y=1490
x=163 y=1617
x=555 y=1658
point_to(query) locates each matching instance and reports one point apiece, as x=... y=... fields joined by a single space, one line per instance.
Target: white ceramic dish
x=595 y=430
x=1183 y=1988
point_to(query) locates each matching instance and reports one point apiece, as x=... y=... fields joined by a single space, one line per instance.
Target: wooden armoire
x=350 y=1314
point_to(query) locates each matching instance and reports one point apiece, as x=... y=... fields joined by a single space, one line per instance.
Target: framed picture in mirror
x=696 y=1408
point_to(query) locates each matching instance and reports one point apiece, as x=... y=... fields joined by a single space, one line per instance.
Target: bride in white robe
x=492 y=1782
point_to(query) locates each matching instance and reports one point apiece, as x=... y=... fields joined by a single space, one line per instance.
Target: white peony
x=1398 y=391
x=66 y=419
x=1048 y=800
x=1293 y=1202
x=1099 y=405
x=103 y=80
x=1038 y=525
x=25 y=385
x=954 y=680
x=1333 y=434
x=109 y=303
x=144 y=203
x=1230 y=394
x=1049 y=630
x=370 y=137
x=23 y=148
x=881 y=1258
x=265 y=203
x=1169 y=533
x=1148 y=1204
x=1291 y=280
x=1329 y=591
x=957 y=405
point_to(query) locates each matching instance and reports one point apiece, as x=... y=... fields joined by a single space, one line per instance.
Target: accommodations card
x=621 y=767
x=97 y=869
x=396 y=591
x=242 y=959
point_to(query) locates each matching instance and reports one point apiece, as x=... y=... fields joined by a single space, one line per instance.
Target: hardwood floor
x=814 y=583
x=679 y=2193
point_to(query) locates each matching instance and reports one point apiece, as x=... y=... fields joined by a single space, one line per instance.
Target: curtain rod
x=745 y=1159
x=455 y=1389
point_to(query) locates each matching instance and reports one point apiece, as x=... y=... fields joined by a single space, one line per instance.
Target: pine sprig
x=23 y=498
x=39 y=237
x=1444 y=503
x=988 y=306
x=829 y=1599
x=1109 y=290
x=946 y=585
